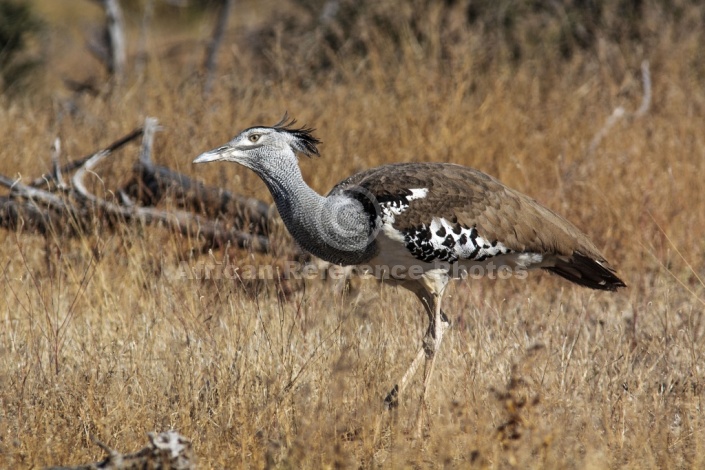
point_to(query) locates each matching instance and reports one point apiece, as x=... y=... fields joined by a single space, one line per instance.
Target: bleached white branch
x=116 y=38
x=55 y=166
x=620 y=113
x=646 y=82
x=616 y=115
x=151 y=126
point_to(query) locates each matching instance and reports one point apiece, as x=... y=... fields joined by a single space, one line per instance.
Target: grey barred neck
x=335 y=228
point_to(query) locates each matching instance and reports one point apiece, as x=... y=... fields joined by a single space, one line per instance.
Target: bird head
x=263 y=149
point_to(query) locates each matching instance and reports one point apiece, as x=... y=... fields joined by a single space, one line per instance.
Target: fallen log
x=152 y=183
x=216 y=216
x=26 y=215
x=186 y=223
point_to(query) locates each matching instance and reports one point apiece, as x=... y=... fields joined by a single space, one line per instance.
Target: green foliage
x=18 y=25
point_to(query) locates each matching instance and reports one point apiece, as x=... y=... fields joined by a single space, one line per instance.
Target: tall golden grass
x=98 y=338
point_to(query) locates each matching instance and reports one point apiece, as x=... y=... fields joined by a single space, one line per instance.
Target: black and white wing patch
x=440 y=239
x=443 y=241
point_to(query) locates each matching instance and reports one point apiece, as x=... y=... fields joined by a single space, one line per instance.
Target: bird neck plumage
x=295 y=200
x=335 y=228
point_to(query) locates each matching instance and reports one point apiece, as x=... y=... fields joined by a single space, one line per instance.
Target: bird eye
x=254 y=137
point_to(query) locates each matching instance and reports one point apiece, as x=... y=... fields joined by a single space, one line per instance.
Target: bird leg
x=392 y=398
x=438 y=323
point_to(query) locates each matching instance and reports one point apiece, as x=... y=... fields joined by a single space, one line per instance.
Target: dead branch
x=151 y=183
x=214 y=44
x=55 y=167
x=45 y=179
x=16 y=214
x=184 y=222
x=38 y=210
x=151 y=126
x=620 y=113
x=115 y=29
x=166 y=451
x=18 y=189
x=213 y=215
x=616 y=115
x=108 y=43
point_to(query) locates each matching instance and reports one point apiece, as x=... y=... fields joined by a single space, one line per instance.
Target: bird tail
x=586 y=271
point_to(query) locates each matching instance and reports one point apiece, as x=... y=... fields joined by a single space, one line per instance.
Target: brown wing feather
x=471 y=198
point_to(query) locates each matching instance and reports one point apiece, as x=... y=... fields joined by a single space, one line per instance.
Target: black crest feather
x=304 y=141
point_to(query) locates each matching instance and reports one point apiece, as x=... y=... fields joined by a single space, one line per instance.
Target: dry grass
x=97 y=337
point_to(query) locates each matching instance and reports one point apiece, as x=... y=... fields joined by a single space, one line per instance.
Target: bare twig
x=620 y=113
x=55 y=167
x=46 y=179
x=646 y=82
x=616 y=115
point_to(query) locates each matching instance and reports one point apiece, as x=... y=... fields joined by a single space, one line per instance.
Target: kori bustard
x=420 y=224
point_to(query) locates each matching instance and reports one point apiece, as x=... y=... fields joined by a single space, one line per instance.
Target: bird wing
x=465 y=198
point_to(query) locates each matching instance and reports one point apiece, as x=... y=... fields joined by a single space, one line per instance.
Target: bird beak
x=214 y=155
